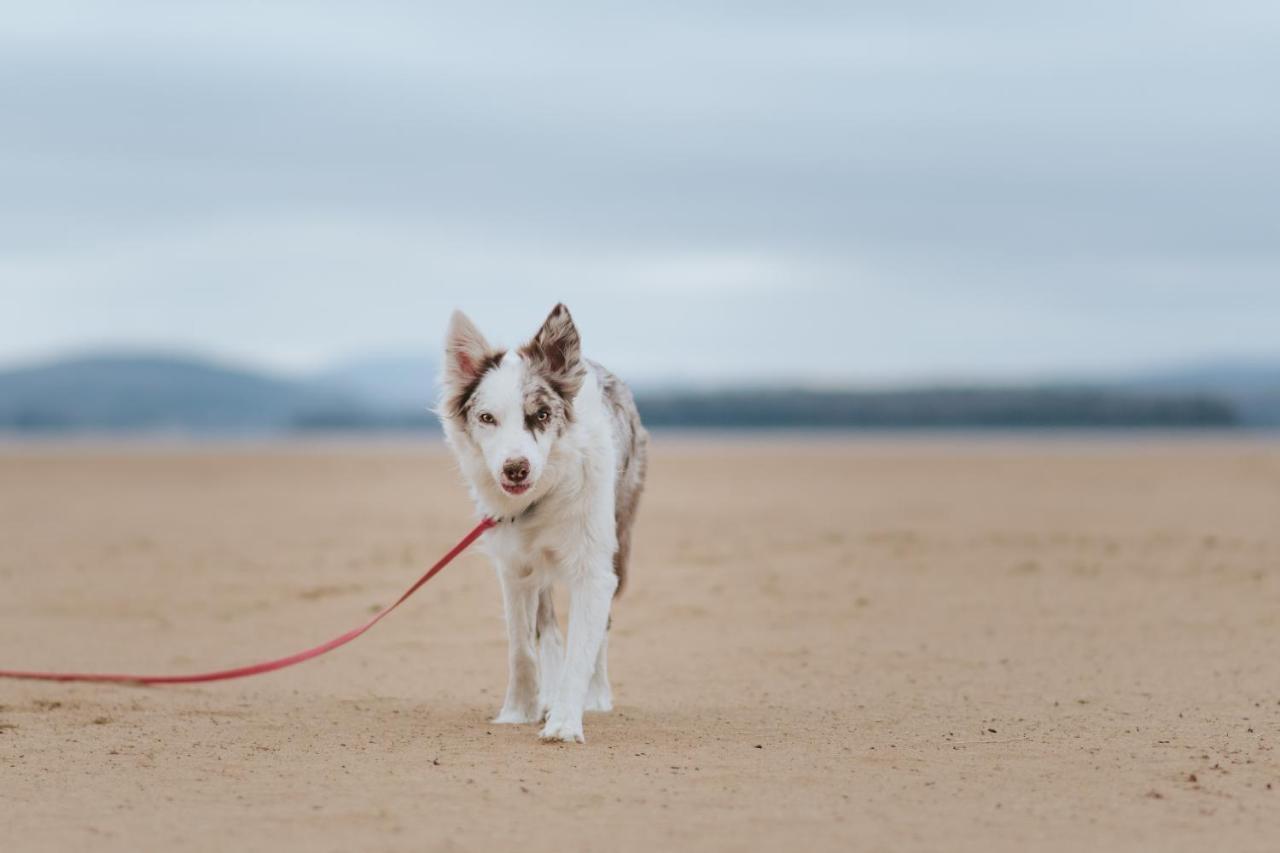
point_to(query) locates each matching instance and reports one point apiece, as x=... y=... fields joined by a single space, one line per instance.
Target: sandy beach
x=870 y=644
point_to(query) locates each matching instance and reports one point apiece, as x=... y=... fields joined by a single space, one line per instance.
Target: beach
x=876 y=643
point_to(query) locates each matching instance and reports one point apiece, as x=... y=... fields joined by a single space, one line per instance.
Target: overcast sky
x=839 y=191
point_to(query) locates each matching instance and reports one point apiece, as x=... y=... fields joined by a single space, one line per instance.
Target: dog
x=552 y=447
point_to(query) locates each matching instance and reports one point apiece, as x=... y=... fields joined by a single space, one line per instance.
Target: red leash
x=266 y=666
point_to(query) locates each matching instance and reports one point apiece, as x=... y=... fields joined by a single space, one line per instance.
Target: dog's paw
x=564 y=729
x=516 y=716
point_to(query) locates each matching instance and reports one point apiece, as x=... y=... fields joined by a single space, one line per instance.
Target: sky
x=834 y=192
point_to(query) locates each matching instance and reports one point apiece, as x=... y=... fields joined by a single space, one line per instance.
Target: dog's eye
x=486 y=418
x=543 y=415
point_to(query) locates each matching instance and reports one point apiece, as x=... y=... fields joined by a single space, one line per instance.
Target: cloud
x=928 y=190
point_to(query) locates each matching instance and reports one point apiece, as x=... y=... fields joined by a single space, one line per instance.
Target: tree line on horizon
x=131 y=395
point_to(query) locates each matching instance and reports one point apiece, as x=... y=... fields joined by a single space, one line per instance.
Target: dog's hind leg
x=550 y=650
x=599 y=695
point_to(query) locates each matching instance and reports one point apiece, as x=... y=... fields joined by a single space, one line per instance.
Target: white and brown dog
x=551 y=445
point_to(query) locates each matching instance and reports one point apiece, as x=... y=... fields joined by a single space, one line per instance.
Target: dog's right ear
x=465 y=351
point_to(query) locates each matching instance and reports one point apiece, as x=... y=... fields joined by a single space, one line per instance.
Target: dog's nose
x=516 y=470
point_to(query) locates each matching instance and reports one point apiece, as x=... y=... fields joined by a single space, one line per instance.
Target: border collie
x=552 y=447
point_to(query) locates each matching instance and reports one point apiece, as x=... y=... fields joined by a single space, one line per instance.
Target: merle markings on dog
x=551 y=445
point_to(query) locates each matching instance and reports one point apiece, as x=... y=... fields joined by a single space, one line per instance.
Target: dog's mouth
x=515 y=488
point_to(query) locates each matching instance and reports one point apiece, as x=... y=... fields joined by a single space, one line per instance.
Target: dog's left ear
x=556 y=351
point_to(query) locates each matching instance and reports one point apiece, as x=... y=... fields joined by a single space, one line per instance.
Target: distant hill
x=143 y=392
x=133 y=392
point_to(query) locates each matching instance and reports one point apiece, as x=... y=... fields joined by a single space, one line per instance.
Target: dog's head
x=509 y=409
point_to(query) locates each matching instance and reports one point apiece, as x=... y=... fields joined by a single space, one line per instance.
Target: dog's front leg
x=590 y=596
x=520 y=599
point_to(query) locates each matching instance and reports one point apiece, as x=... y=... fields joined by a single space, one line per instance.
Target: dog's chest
x=531 y=552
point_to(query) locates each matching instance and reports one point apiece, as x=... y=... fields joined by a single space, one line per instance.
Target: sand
x=963 y=644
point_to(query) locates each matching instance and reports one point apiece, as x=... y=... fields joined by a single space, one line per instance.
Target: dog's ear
x=556 y=352
x=465 y=351
x=556 y=344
